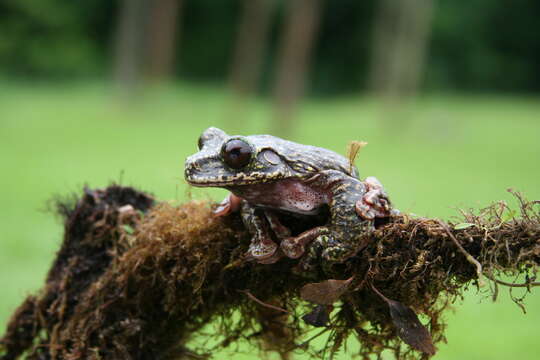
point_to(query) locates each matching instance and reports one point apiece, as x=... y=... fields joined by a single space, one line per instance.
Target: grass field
x=454 y=151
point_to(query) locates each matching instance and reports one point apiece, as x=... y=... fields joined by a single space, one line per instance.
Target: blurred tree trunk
x=248 y=55
x=145 y=43
x=129 y=46
x=293 y=59
x=400 y=39
x=250 y=45
x=162 y=32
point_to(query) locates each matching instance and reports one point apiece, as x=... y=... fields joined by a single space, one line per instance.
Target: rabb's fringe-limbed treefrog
x=268 y=176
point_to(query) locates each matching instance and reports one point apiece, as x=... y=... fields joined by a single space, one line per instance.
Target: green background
x=453 y=152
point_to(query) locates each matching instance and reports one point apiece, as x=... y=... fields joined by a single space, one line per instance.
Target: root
x=468 y=256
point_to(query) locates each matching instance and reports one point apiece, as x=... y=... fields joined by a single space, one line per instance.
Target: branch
x=139 y=280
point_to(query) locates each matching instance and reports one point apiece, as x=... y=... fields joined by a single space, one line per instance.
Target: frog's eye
x=200 y=142
x=236 y=153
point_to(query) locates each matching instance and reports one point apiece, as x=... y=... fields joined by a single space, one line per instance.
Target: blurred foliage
x=55 y=38
x=476 y=45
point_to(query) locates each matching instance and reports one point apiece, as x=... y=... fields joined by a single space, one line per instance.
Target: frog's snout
x=203 y=170
x=191 y=169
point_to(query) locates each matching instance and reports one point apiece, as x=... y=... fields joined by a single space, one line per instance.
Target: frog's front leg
x=262 y=248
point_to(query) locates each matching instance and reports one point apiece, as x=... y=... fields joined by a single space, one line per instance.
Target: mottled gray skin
x=290 y=177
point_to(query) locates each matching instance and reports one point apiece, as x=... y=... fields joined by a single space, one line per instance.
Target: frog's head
x=227 y=161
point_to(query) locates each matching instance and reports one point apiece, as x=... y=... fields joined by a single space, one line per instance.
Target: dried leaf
x=410 y=329
x=352 y=151
x=319 y=316
x=326 y=292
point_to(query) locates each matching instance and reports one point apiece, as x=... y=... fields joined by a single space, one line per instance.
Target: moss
x=128 y=286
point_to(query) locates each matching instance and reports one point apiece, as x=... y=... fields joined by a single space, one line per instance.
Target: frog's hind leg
x=294 y=247
x=345 y=230
x=324 y=248
x=262 y=248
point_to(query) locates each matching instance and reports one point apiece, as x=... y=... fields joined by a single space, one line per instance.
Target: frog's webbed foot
x=375 y=202
x=230 y=204
x=263 y=250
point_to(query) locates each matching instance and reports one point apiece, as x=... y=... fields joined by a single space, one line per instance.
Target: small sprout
x=508 y=215
x=128 y=229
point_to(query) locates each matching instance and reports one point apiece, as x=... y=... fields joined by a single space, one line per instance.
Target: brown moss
x=151 y=292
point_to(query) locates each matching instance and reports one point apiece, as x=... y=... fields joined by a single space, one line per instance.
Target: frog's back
x=304 y=158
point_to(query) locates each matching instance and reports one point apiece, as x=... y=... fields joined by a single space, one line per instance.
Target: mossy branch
x=139 y=280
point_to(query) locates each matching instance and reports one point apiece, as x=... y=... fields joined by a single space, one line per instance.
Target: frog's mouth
x=232 y=180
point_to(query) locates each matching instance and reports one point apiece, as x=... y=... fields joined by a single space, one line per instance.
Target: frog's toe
x=375 y=202
x=365 y=211
x=275 y=257
x=229 y=205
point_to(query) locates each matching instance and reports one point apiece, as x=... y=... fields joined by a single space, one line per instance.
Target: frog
x=267 y=176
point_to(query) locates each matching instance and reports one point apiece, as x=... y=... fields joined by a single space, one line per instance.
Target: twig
x=527 y=284
x=262 y=303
